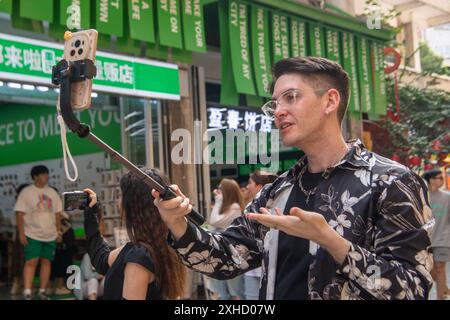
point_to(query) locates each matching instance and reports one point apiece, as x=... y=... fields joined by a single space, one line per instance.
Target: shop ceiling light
x=42 y=88
x=94 y=95
x=28 y=87
x=14 y=85
x=1 y=83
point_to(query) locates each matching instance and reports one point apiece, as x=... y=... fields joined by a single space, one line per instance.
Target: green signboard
x=24 y=129
x=193 y=25
x=333 y=45
x=379 y=83
x=240 y=47
x=365 y=76
x=140 y=17
x=280 y=37
x=27 y=60
x=6 y=6
x=316 y=40
x=261 y=50
x=109 y=17
x=36 y=10
x=298 y=37
x=350 y=65
x=169 y=23
x=228 y=92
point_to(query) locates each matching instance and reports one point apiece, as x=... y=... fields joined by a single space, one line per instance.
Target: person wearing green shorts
x=38 y=212
x=40 y=249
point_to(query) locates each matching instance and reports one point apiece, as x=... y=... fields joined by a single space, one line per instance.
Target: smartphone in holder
x=81 y=45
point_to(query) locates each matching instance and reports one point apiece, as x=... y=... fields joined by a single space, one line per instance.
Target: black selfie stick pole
x=63 y=74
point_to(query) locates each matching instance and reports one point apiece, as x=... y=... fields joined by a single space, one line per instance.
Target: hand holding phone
x=92 y=197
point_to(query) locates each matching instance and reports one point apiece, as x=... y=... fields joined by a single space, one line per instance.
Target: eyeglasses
x=287 y=99
x=438 y=178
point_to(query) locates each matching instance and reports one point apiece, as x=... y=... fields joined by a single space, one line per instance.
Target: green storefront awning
x=27 y=60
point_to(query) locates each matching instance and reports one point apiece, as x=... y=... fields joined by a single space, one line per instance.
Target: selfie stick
x=63 y=74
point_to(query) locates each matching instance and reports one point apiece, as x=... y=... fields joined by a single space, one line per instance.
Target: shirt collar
x=357 y=156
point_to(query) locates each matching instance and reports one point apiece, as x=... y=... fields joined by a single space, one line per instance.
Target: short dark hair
x=262 y=177
x=431 y=174
x=317 y=70
x=37 y=170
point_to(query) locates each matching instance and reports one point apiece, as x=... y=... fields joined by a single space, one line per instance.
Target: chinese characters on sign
x=32 y=60
x=112 y=71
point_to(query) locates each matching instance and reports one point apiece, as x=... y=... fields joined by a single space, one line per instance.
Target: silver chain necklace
x=307 y=193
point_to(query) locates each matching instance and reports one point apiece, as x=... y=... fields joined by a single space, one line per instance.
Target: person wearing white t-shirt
x=38 y=212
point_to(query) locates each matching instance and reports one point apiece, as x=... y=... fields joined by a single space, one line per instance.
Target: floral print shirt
x=378 y=205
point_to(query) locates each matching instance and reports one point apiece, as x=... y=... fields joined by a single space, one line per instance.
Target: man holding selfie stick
x=38 y=211
x=343 y=223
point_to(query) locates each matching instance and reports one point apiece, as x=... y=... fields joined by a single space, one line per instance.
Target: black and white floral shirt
x=378 y=205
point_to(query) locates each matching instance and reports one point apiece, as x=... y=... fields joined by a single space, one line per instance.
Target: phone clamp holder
x=65 y=73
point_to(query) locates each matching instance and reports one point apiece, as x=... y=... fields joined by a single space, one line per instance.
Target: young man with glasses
x=440 y=239
x=343 y=223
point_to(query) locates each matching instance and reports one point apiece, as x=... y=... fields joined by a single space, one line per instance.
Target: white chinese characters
x=233 y=119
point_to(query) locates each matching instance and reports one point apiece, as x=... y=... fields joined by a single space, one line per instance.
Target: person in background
x=17 y=254
x=146 y=268
x=64 y=254
x=440 y=239
x=92 y=283
x=228 y=205
x=256 y=182
x=244 y=192
x=38 y=211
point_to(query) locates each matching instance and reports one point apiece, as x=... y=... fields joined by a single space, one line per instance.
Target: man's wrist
x=177 y=227
x=336 y=245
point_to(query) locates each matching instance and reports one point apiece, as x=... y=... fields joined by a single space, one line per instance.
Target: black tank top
x=116 y=273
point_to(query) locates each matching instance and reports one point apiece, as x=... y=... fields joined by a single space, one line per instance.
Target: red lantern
x=415 y=161
x=428 y=166
x=393 y=116
x=396 y=157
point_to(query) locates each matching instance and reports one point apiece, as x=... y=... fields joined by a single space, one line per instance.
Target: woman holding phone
x=147 y=267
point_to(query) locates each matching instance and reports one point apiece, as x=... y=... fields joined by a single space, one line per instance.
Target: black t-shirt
x=293 y=252
x=116 y=273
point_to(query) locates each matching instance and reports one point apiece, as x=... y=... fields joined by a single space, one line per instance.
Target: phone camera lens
x=77 y=43
x=72 y=53
x=80 y=51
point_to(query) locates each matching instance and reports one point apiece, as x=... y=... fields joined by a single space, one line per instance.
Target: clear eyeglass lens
x=289 y=98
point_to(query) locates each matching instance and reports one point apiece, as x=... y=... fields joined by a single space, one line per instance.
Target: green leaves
x=423 y=114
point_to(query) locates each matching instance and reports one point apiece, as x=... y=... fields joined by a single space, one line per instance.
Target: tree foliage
x=423 y=125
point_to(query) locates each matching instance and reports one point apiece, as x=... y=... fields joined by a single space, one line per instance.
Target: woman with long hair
x=228 y=205
x=147 y=267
